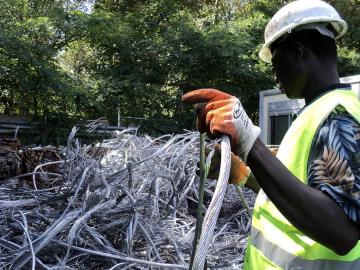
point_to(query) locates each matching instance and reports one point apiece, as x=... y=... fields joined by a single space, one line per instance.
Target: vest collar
x=326 y=90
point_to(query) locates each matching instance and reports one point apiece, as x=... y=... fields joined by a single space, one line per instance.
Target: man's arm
x=308 y=209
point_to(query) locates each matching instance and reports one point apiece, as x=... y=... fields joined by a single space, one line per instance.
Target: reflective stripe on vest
x=288 y=261
x=275 y=243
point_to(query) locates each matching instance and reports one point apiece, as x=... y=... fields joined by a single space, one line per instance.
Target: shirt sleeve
x=334 y=163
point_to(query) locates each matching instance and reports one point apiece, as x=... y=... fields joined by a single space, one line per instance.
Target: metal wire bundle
x=126 y=203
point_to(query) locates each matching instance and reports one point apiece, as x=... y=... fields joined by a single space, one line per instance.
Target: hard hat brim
x=265 y=53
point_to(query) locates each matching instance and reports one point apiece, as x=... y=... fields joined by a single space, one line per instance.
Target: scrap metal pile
x=126 y=203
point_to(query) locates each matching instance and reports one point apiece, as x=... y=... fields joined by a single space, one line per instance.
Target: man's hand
x=223 y=114
x=239 y=172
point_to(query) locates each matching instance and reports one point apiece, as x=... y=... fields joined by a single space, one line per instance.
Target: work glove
x=239 y=172
x=220 y=113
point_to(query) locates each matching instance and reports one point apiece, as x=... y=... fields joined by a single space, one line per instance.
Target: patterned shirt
x=334 y=163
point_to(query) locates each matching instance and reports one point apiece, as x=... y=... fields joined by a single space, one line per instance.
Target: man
x=307 y=215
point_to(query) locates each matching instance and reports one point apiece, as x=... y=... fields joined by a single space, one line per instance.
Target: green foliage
x=349 y=45
x=31 y=81
x=152 y=53
x=61 y=62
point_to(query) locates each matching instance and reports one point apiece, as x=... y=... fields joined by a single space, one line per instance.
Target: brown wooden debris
x=16 y=160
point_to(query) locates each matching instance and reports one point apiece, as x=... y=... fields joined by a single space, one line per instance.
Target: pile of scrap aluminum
x=128 y=202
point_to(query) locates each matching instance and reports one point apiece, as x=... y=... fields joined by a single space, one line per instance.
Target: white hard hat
x=302 y=14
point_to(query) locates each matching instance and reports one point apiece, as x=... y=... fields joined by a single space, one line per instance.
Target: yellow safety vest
x=274 y=242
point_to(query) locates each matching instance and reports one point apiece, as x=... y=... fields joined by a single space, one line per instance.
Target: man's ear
x=298 y=51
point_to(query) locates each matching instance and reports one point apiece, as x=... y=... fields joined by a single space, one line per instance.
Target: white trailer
x=276 y=111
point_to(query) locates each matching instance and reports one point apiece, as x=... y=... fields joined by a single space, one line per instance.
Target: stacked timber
x=10 y=161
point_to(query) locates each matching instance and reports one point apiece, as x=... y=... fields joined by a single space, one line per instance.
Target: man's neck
x=321 y=83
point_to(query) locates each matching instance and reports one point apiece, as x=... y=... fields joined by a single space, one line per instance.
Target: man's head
x=298 y=57
x=300 y=38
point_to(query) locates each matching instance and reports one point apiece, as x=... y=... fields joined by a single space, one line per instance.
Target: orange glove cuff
x=239 y=173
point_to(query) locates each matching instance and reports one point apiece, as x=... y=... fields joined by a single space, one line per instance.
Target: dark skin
x=301 y=204
x=301 y=73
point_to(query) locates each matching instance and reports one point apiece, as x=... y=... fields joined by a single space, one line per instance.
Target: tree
x=30 y=77
x=59 y=60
